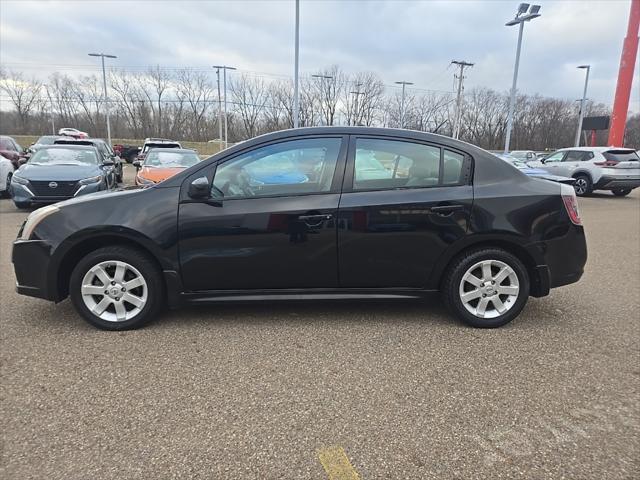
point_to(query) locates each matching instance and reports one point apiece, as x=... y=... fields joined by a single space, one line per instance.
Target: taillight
x=608 y=163
x=571 y=203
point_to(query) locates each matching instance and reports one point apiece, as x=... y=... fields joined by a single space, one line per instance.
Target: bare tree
x=329 y=85
x=153 y=85
x=250 y=96
x=362 y=99
x=23 y=93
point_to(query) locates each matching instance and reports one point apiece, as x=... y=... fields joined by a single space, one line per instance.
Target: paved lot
x=266 y=391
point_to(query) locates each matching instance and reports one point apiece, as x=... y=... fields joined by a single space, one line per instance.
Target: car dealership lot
x=259 y=391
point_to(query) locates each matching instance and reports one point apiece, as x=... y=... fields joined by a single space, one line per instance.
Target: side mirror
x=108 y=162
x=137 y=164
x=199 y=188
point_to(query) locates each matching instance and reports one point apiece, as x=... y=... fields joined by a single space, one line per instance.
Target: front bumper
x=23 y=194
x=611 y=182
x=31 y=260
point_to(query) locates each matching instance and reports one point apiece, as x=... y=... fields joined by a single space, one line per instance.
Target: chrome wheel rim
x=580 y=185
x=114 y=291
x=489 y=289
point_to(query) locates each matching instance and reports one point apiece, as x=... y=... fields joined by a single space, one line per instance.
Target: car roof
x=153 y=140
x=67 y=147
x=174 y=150
x=595 y=149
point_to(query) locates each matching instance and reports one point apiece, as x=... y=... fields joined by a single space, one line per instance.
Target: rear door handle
x=445 y=210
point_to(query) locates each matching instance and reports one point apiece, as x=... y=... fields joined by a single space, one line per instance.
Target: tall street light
x=582 y=103
x=224 y=69
x=404 y=84
x=296 y=81
x=521 y=17
x=322 y=79
x=106 y=98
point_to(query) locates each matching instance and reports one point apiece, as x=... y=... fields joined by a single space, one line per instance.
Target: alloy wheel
x=580 y=186
x=114 y=291
x=489 y=289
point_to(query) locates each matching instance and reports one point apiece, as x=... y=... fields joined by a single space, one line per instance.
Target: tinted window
x=63 y=156
x=621 y=156
x=387 y=164
x=287 y=168
x=578 y=156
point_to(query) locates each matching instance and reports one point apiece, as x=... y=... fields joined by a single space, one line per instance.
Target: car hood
x=90 y=197
x=32 y=171
x=159 y=174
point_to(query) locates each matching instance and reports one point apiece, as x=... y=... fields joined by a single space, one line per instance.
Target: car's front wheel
x=117 y=288
x=621 y=192
x=486 y=288
x=583 y=185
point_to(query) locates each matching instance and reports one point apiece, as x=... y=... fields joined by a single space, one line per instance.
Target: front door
x=403 y=204
x=270 y=222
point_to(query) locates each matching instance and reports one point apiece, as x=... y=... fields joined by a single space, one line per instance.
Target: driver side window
x=556 y=157
x=287 y=168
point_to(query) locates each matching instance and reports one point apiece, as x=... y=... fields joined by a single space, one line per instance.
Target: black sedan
x=59 y=172
x=318 y=213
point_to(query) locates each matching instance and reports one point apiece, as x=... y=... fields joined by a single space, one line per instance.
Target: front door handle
x=315 y=220
x=446 y=210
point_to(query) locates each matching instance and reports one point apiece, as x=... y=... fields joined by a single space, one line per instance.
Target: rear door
x=572 y=161
x=403 y=203
x=271 y=220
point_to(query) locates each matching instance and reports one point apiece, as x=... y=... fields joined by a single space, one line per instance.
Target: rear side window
x=621 y=156
x=387 y=164
x=578 y=156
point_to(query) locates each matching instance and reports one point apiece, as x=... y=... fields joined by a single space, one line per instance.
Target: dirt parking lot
x=286 y=390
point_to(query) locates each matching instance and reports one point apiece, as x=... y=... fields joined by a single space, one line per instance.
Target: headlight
x=87 y=181
x=35 y=218
x=20 y=180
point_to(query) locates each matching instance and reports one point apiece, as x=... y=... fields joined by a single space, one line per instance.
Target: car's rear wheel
x=117 y=288
x=583 y=185
x=621 y=192
x=486 y=288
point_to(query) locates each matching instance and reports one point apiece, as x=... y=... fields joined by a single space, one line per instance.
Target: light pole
x=357 y=93
x=458 y=118
x=224 y=69
x=404 y=84
x=296 y=81
x=106 y=98
x=521 y=17
x=53 y=126
x=322 y=79
x=219 y=110
x=582 y=103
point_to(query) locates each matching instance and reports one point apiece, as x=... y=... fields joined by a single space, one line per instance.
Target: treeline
x=183 y=104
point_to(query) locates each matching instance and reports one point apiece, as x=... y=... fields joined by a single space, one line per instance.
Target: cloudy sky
x=398 y=40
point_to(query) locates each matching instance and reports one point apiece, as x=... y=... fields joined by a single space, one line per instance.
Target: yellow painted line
x=337 y=464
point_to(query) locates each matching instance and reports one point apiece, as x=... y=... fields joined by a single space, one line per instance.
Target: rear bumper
x=566 y=257
x=608 y=182
x=31 y=260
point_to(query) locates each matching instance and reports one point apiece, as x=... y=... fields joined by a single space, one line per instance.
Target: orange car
x=162 y=163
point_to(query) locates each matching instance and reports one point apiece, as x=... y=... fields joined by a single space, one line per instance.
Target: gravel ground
x=260 y=391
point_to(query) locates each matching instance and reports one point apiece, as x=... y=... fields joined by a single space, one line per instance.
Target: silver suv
x=595 y=168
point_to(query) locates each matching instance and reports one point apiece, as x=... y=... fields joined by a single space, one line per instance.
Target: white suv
x=595 y=168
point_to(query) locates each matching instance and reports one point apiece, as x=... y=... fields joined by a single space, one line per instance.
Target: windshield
x=171 y=159
x=150 y=146
x=64 y=156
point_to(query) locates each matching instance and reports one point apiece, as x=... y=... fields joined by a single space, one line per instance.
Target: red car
x=10 y=150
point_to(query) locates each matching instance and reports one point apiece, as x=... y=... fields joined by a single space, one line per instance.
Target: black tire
x=22 y=205
x=145 y=265
x=450 y=287
x=583 y=185
x=621 y=192
x=7 y=186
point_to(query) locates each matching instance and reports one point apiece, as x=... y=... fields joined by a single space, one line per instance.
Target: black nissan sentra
x=316 y=213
